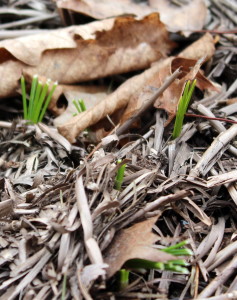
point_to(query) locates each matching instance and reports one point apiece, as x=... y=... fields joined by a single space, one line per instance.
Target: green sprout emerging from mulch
x=79 y=105
x=182 y=107
x=120 y=176
x=177 y=265
x=35 y=106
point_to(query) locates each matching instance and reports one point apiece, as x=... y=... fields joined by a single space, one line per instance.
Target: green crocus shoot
x=80 y=105
x=120 y=176
x=23 y=90
x=182 y=107
x=47 y=101
x=123 y=278
x=177 y=249
x=32 y=96
x=177 y=265
x=41 y=100
x=38 y=100
x=76 y=104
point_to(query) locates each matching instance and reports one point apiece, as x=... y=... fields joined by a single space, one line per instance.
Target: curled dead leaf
x=80 y=53
x=190 y=16
x=134 y=242
x=132 y=93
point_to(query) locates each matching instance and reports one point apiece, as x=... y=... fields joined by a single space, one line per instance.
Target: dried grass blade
x=222 y=179
x=218 y=145
x=31 y=275
x=219 y=229
x=57 y=137
x=220 y=279
x=92 y=247
x=223 y=255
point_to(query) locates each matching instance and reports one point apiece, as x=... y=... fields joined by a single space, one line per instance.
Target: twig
x=211 y=118
x=148 y=103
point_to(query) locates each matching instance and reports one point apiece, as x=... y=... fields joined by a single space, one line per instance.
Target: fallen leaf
x=169 y=99
x=190 y=71
x=102 y=9
x=135 y=90
x=81 y=53
x=186 y=18
x=134 y=242
x=113 y=102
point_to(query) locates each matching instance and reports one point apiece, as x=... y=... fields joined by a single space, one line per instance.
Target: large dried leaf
x=81 y=53
x=186 y=18
x=141 y=87
x=134 y=242
x=169 y=99
x=104 y=9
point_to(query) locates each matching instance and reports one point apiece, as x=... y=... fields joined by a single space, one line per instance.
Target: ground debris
x=64 y=228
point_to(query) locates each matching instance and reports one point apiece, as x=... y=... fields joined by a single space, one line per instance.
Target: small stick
x=211 y=118
x=148 y=103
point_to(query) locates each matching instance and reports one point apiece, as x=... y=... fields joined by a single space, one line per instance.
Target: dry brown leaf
x=190 y=70
x=134 y=242
x=103 y=9
x=113 y=102
x=81 y=53
x=169 y=99
x=137 y=89
x=186 y=18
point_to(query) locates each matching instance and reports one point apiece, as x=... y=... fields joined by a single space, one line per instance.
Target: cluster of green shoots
x=37 y=103
x=178 y=265
x=182 y=107
x=80 y=106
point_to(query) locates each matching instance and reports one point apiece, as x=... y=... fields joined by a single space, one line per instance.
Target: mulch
x=48 y=185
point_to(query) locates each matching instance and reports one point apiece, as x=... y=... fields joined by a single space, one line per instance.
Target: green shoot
x=123 y=278
x=182 y=107
x=80 y=106
x=76 y=104
x=64 y=287
x=32 y=96
x=177 y=265
x=38 y=102
x=120 y=176
x=177 y=250
x=47 y=101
